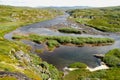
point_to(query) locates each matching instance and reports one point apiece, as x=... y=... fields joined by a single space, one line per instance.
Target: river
x=65 y=55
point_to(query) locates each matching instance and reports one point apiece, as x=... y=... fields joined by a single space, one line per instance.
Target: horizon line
x=61 y=6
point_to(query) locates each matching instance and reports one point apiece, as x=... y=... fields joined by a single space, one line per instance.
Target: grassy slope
x=8 y=78
x=14 y=17
x=104 y=19
x=10 y=19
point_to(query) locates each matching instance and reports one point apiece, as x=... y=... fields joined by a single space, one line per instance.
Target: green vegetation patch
x=112 y=74
x=104 y=19
x=83 y=74
x=82 y=20
x=80 y=74
x=69 y=30
x=77 y=65
x=112 y=58
x=52 y=41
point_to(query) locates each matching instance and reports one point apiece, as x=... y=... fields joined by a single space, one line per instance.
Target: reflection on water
x=65 y=55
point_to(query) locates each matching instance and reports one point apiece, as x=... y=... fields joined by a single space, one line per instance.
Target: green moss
x=77 y=65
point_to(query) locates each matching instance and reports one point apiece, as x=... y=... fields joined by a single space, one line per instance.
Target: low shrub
x=77 y=65
x=69 y=30
x=112 y=58
x=52 y=43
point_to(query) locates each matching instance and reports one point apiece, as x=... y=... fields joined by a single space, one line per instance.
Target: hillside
x=67 y=8
x=14 y=17
x=104 y=19
x=15 y=57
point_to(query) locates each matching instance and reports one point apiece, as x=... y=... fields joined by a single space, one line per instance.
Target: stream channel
x=65 y=55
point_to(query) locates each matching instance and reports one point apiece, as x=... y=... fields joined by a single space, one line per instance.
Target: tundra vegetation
x=14 y=17
x=77 y=65
x=107 y=20
x=55 y=41
x=15 y=56
x=104 y=19
x=69 y=30
x=112 y=59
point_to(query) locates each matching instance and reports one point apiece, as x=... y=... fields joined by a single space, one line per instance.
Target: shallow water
x=65 y=55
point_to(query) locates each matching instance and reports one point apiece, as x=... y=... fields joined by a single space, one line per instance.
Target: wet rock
x=99 y=55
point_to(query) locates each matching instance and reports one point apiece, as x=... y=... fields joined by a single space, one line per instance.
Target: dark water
x=65 y=55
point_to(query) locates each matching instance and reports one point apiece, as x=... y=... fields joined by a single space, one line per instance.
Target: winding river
x=65 y=55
